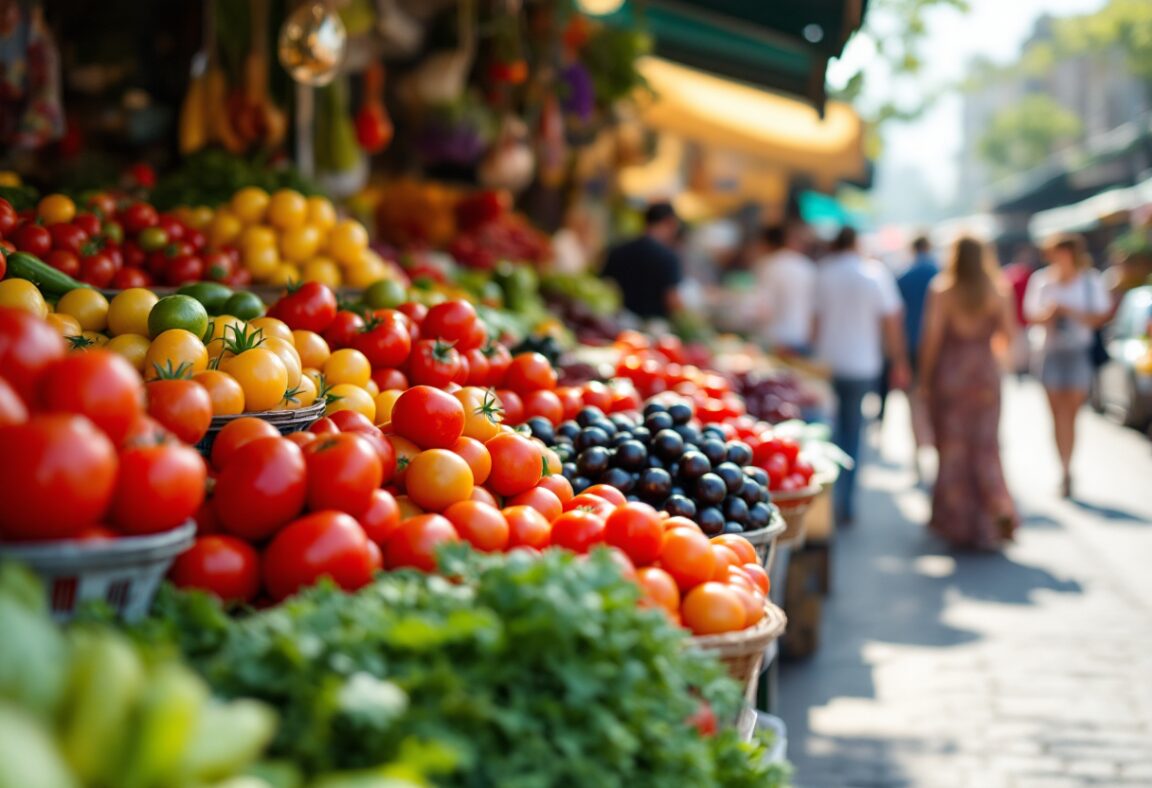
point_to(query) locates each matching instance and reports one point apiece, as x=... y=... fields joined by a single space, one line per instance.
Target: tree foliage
x=1125 y=25
x=1023 y=135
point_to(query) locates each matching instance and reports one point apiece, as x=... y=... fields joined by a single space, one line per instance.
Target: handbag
x=1097 y=351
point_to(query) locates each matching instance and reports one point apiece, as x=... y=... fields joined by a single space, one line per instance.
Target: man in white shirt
x=786 y=282
x=859 y=320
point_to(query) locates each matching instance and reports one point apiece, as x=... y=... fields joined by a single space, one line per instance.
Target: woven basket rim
x=309 y=412
x=745 y=641
x=775 y=527
x=98 y=551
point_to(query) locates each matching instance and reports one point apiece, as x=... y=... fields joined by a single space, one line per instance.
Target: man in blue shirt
x=913 y=285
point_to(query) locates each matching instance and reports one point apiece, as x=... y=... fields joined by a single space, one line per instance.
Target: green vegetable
x=28 y=755
x=32 y=657
x=50 y=281
x=521 y=672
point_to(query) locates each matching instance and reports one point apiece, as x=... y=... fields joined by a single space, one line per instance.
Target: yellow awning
x=774 y=133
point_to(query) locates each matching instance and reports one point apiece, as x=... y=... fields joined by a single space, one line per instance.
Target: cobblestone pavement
x=1027 y=669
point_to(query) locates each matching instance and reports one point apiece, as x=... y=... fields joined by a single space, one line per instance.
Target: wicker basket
x=764 y=539
x=794 y=506
x=284 y=420
x=124 y=573
x=743 y=652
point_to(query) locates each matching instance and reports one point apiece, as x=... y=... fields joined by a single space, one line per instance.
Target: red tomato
x=543 y=403
x=326 y=426
x=577 y=530
x=28 y=346
x=384 y=340
x=310 y=306
x=224 y=566
x=453 y=321
x=8 y=217
x=322 y=544
x=64 y=261
x=12 y=408
x=302 y=439
x=429 y=417
x=183 y=407
x=499 y=359
x=530 y=372
x=512 y=406
x=480 y=524
x=517 y=464
x=415 y=543
x=381 y=517
x=184 y=268
x=130 y=277
x=590 y=503
x=389 y=379
x=237 y=433
x=32 y=238
x=98 y=384
x=343 y=329
x=414 y=311
x=262 y=486
x=97 y=269
x=637 y=530
x=69 y=237
x=704 y=719
x=343 y=471
x=351 y=421
x=138 y=216
x=571 y=401
x=558 y=485
x=541 y=499
x=478 y=367
x=158 y=488
x=624 y=397
x=59 y=476
x=433 y=363
x=218 y=266
x=527 y=527
x=595 y=394
x=481 y=494
x=758 y=575
x=608 y=493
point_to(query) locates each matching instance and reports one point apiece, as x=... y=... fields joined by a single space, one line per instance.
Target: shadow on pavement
x=1110 y=513
x=891 y=579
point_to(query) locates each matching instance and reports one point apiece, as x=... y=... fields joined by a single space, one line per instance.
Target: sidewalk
x=1031 y=668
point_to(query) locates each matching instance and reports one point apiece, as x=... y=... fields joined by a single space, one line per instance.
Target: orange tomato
x=739 y=545
x=541 y=499
x=753 y=604
x=482 y=495
x=311 y=347
x=477 y=457
x=482 y=413
x=658 y=588
x=687 y=555
x=407 y=507
x=481 y=525
x=726 y=558
x=405 y=451
x=759 y=577
x=712 y=608
x=437 y=478
x=558 y=485
x=527 y=527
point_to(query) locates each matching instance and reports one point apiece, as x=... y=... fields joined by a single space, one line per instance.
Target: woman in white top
x=1066 y=302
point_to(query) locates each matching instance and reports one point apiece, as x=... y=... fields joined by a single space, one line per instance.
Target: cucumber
x=50 y=281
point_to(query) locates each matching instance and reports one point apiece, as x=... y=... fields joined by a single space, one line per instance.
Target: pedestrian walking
x=913 y=285
x=1025 y=262
x=785 y=287
x=857 y=322
x=647 y=269
x=968 y=306
x=1066 y=303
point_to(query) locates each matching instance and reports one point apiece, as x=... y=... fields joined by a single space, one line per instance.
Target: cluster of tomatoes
x=92 y=462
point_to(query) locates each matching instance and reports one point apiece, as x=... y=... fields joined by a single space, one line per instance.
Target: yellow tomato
x=23 y=295
x=482 y=412
x=171 y=349
x=56 y=208
x=226 y=395
x=321 y=213
x=223 y=329
x=312 y=347
x=128 y=312
x=287 y=209
x=249 y=204
x=199 y=217
x=347 y=241
x=272 y=328
x=133 y=347
x=369 y=269
x=224 y=228
x=347 y=366
x=346 y=396
x=261 y=374
x=323 y=270
x=384 y=402
x=315 y=375
x=303 y=396
x=300 y=242
x=258 y=236
x=287 y=354
x=283 y=275
x=66 y=325
x=88 y=305
x=261 y=262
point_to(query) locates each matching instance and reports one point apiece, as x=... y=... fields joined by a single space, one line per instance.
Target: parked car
x=1126 y=379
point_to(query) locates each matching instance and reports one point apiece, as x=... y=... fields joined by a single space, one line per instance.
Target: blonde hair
x=1073 y=244
x=971 y=273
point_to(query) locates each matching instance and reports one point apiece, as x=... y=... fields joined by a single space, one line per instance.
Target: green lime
x=385 y=294
x=211 y=294
x=177 y=311
x=243 y=305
